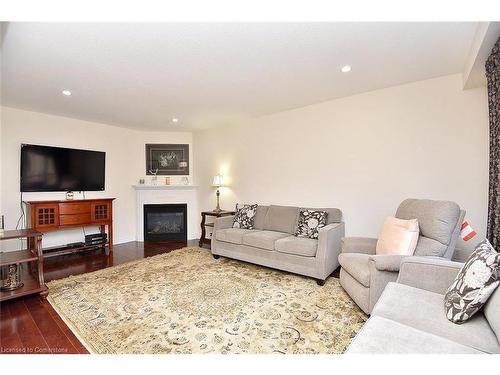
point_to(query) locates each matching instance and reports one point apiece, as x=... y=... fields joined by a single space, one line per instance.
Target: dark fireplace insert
x=165 y=222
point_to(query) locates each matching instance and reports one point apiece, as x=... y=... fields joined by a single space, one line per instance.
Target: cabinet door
x=46 y=216
x=101 y=211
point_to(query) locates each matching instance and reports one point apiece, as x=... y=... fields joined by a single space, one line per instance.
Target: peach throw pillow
x=398 y=237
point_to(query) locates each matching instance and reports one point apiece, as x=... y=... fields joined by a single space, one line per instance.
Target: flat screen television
x=47 y=168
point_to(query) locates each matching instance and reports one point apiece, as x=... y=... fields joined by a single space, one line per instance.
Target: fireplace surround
x=165 y=222
x=172 y=194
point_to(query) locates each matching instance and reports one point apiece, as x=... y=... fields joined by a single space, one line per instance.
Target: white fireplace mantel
x=165 y=194
x=164 y=187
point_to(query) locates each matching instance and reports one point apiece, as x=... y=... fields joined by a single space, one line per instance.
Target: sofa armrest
x=329 y=244
x=428 y=273
x=363 y=245
x=390 y=263
x=223 y=222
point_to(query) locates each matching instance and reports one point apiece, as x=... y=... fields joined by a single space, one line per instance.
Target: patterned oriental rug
x=187 y=302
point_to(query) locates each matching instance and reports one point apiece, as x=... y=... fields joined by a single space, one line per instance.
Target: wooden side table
x=204 y=224
x=33 y=280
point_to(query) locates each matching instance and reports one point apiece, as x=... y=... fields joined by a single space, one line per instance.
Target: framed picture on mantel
x=164 y=160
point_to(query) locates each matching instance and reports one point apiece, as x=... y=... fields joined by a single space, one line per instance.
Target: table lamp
x=218 y=182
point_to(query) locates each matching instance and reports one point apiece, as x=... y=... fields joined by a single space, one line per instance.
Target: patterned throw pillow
x=310 y=222
x=244 y=216
x=476 y=281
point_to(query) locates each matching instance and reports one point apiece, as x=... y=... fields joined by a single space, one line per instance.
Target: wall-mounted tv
x=46 y=168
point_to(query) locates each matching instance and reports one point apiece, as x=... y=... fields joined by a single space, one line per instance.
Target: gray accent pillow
x=477 y=280
x=244 y=217
x=310 y=222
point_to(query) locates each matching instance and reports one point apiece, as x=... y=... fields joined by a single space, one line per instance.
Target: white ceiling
x=141 y=75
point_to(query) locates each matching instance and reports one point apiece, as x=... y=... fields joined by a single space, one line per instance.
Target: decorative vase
x=11 y=277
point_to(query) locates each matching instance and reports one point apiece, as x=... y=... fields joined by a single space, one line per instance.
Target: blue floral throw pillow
x=474 y=284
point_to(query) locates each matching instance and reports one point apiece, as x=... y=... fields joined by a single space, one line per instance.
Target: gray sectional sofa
x=272 y=242
x=409 y=317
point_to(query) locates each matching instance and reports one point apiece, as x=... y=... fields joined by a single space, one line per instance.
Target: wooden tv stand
x=48 y=216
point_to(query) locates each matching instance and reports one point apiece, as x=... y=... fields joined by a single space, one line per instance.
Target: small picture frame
x=167 y=159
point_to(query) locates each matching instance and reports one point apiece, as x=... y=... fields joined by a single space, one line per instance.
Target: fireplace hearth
x=165 y=222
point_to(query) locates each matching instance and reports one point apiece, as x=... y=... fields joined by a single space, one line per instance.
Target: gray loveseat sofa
x=272 y=242
x=409 y=317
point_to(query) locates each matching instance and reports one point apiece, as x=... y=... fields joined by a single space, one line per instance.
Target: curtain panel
x=493 y=77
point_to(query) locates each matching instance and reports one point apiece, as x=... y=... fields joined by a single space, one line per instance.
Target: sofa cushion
x=437 y=221
x=310 y=222
x=492 y=312
x=429 y=247
x=477 y=280
x=263 y=239
x=260 y=215
x=305 y=247
x=363 y=245
x=281 y=219
x=424 y=311
x=357 y=265
x=385 y=336
x=232 y=235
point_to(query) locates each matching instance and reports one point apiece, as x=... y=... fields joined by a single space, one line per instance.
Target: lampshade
x=218 y=180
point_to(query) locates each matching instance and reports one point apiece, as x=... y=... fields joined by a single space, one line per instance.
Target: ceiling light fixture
x=66 y=92
x=346 y=69
x=175 y=120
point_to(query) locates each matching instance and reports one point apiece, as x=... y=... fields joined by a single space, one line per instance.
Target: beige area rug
x=187 y=302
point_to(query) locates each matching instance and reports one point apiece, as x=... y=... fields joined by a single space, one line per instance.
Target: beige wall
x=1 y=103
x=125 y=164
x=363 y=154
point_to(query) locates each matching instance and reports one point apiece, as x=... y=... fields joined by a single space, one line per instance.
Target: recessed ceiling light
x=175 y=120
x=346 y=69
x=66 y=92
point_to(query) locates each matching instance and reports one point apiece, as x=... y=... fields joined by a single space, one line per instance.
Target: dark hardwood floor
x=31 y=325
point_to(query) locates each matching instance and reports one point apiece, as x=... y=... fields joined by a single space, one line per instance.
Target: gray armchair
x=364 y=274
